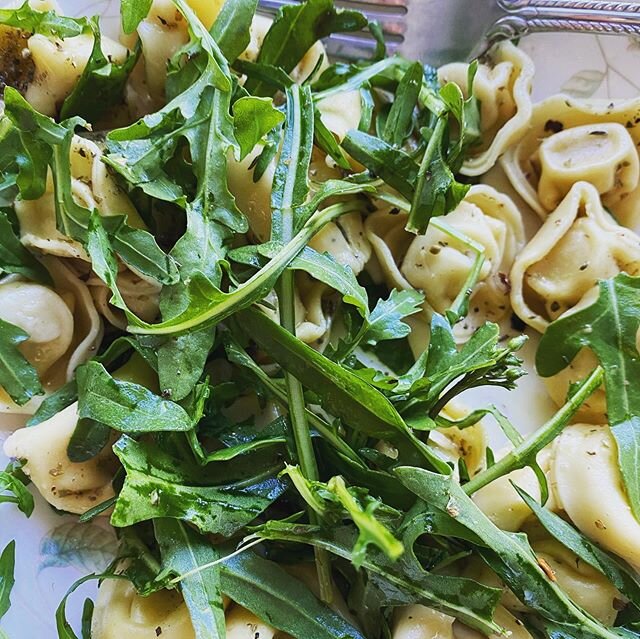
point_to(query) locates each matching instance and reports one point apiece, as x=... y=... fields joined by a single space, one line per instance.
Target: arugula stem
x=300 y=427
x=423 y=171
x=526 y=451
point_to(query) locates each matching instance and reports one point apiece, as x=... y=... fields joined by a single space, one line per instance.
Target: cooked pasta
x=586 y=479
x=439 y=263
x=577 y=140
x=63 y=326
x=68 y=486
x=578 y=244
x=503 y=86
x=261 y=313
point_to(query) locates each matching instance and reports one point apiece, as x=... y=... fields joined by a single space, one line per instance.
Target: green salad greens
x=344 y=475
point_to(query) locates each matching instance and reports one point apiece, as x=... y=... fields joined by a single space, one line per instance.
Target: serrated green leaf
x=17 y=376
x=608 y=327
x=125 y=406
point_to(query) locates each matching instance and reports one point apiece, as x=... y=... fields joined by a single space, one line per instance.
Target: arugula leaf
x=524 y=453
x=54 y=403
x=253 y=118
x=608 y=327
x=231 y=30
x=14 y=481
x=208 y=305
x=291 y=177
x=14 y=257
x=242 y=440
x=400 y=119
x=508 y=554
x=87 y=616
x=63 y=627
x=133 y=12
x=403 y=583
x=47 y=23
x=183 y=553
x=623 y=577
x=321 y=266
x=393 y=165
x=101 y=85
x=7 y=580
x=443 y=372
x=436 y=190
x=222 y=510
x=342 y=393
x=333 y=500
x=125 y=406
x=88 y=439
x=17 y=376
x=264 y=588
x=296 y=29
x=385 y=321
x=54 y=141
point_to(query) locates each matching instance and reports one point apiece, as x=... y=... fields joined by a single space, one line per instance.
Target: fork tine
x=352 y=47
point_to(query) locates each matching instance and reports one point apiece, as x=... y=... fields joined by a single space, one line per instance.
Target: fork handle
x=579 y=16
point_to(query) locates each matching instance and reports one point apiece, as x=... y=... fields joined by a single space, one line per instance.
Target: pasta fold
x=578 y=244
x=579 y=140
x=503 y=87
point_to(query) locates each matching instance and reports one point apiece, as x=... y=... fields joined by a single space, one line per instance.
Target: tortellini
x=58 y=64
x=64 y=327
x=572 y=140
x=588 y=588
x=92 y=187
x=121 y=612
x=503 y=87
x=500 y=502
x=594 y=408
x=68 y=486
x=514 y=627
x=419 y=622
x=141 y=294
x=468 y=444
x=439 y=264
x=578 y=244
x=586 y=480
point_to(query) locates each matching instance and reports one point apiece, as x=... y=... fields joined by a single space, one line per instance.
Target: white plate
x=53 y=550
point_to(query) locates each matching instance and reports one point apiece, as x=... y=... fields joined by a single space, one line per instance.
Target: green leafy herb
x=402 y=583
x=264 y=588
x=183 y=554
x=125 y=406
x=253 y=118
x=14 y=482
x=357 y=505
x=101 y=85
x=608 y=327
x=623 y=577
x=133 y=12
x=7 y=565
x=223 y=510
x=400 y=119
x=17 y=376
x=508 y=554
x=47 y=23
x=296 y=28
x=88 y=439
x=344 y=394
x=231 y=30
x=14 y=257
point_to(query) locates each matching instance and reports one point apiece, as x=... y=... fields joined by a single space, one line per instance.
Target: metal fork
x=441 y=31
